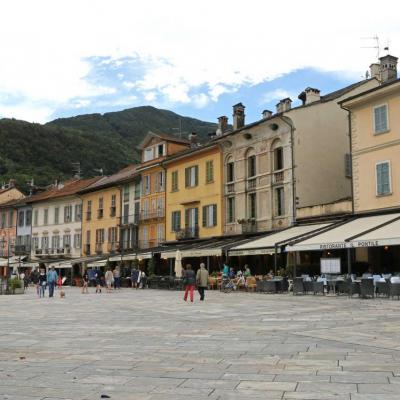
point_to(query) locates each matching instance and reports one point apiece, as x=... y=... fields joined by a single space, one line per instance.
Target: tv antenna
x=180 y=128
x=76 y=169
x=99 y=170
x=377 y=44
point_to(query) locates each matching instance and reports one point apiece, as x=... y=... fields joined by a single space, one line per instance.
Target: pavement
x=150 y=345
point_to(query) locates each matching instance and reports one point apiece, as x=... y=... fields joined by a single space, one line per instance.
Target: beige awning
x=266 y=244
x=99 y=263
x=128 y=257
x=357 y=232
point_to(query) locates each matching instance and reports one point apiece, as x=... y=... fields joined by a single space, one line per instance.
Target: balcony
x=99 y=248
x=251 y=184
x=229 y=188
x=147 y=244
x=86 y=249
x=100 y=213
x=129 y=245
x=249 y=226
x=278 y=177
x=38 y=252
x=113 y=211
x=129 y=219
x=187 y=233
x=147 y=215
x=113 y=247
x=22 y=249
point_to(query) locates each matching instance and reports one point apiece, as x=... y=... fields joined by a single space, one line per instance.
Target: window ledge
x=207 y=183
x=381 y=132
x=384 y=194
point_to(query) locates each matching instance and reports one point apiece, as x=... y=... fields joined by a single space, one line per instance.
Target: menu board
x=330 y=266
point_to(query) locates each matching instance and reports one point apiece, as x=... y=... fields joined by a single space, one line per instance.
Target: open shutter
x=187 y=212
x=196 y=175
x=204 y=215
x=187 y=177
x=214 y=214
x=178 y=220
x=196 y=217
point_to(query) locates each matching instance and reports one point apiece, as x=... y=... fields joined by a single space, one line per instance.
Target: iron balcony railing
x=148 y=215
x=129 y=219
x=191 y=232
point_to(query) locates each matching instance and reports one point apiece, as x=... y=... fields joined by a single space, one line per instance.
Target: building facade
x=194 y=201
x=24 y=228
x=155 y=148
x=8 y=229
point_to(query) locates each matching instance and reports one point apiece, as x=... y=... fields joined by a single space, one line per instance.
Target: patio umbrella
x=178 y=264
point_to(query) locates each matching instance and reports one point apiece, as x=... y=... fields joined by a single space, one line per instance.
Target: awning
x=141 y=256
x=115 y=258
x=266 y=244
x=98 y=263
x=128 y=257
x=12 y=261
x=357 y=232
x=66 y=265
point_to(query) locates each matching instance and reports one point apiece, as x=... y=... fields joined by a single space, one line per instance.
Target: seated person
x=247 y=271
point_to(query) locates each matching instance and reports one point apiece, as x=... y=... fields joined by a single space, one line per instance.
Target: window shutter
x=196 y=216
x=196 y=175
x=65 y=214
x=187 y=211
x=204 y=215
x=187 y=177
x=178 y=220
x=214 y=214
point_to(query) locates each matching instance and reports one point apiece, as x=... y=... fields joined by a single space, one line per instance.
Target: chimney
x=388 y=68
x=222 y=125
x=193 y=139
x=375 y=71
x=238 y=116
x=284 y=105
x=266 y=114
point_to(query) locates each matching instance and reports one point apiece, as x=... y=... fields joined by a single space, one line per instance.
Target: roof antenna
x=377 y=44
x=76 y=169
x=99 y=170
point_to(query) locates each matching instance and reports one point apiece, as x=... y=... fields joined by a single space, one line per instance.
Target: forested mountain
x=108 y=141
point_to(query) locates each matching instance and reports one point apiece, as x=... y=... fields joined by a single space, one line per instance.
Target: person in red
x=189 y=281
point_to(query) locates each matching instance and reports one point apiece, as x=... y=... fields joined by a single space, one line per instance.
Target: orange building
x=155 y=148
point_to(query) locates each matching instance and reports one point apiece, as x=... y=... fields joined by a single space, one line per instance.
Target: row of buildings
x=333 y=156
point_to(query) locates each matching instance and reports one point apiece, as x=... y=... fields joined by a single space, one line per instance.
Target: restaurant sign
x=347 y=245
x=251 y=252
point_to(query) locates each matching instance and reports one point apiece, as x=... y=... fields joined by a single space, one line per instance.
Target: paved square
x=149 y=344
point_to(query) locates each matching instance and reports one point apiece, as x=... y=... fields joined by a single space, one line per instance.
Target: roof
x=70 y=188
x=188 y=152
x=13 y=202
x=164 y=136
x=328 y=97
x=103 y=182
x=375 y=89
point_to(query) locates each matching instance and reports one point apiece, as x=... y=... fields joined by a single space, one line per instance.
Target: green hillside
x=108 y=141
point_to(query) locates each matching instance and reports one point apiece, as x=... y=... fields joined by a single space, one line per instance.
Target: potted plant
x=15 y=286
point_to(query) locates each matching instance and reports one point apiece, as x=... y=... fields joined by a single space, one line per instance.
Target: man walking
x=51 y=280
x=202 y=280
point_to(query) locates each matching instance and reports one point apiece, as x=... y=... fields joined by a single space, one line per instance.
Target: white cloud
x=277 y=94
x=45 y=48
x=26 y=111
x=200 y=100
x=150 y=96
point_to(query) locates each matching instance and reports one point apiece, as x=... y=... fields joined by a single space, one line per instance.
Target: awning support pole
x=349 y=261
x=208 y=263
x=294 y=264
x=275 y=259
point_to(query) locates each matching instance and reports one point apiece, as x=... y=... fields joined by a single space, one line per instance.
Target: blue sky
x=72 y=57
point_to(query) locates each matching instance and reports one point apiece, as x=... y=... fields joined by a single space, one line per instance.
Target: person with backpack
x=189 y=282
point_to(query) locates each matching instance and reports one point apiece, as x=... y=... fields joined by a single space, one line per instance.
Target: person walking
x=52 y=280
x=42 y=282
x=134 y=278
x=98 y=276
x=85 y=282
x=202 y=280
x=225 y=271
x=117 y=277
x=109 y=280
x=189 y=281
x=35 y=280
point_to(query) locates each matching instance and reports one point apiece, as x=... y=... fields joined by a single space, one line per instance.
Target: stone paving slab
x=150 y=345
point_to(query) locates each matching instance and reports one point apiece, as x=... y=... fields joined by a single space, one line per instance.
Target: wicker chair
x=342 y=287
x=308 y=286
x=395 y=290
x=382 y=289
x=367 y=288
x=318 y=287
x=298 y=286
x=353 y=288
x=270 y=286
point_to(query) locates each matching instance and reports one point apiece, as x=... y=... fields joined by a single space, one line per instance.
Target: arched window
x=230 y=169
x=251 y=163
x=278 y=158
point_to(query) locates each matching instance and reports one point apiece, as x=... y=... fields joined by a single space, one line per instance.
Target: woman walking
x=109 y=280
x=85 y=283
x=189 y=281
x=42 y=282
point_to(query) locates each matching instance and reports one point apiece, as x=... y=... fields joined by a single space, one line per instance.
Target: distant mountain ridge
x=108 y=141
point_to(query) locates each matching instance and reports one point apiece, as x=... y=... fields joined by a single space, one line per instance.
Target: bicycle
x=228 y=285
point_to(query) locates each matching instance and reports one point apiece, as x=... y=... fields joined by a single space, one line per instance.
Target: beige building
x=295 y=158
x=375 y=133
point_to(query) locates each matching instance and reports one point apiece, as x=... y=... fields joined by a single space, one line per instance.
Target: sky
x=60 y=58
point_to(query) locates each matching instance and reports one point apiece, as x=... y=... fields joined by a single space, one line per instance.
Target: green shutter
x=196 y=217
x=196 y=175
x=214 y=214
x=204 y=215
x=178 y=221
x=187 y=177
x=187 y=217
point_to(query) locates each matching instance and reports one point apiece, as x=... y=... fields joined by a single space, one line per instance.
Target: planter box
x=18 y=291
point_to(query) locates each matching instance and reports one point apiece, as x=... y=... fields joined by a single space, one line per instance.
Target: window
x=210 y=215
x=126 y=213
x=176 y=221
x=230 y=211
x=88 y=237
x=100 y=210
x=68 y=213
x=160 y=181
x=112 y=235
x=35 y=242
x=27 y=240
x=55 y=242
x=347 y=166
x=45 y=242
x=99 y=236
x=137 y=191
x=279 y=202
x=252 y=205
x=278 y=158
x=67 y=240
x=381 y=119
x=146 y=208
x=191 y=217
x=126 y=194
x=230 y=171
x=146 y=183
x=56 y=215
x=160 y=150
x=46 y=216
x=174 y=181
x=89 y=210
x=160 y=207
x=209 y=171
x=21 y=218
x=148 y=154
x=137 y=211
x=251 y=166
x=191 y=176
x=160 y=232
x=113 y=208
x=78 y=212
x=28 y=218
x=36 y=217
x=383 y=184
x=3 y=220
x=77 y=241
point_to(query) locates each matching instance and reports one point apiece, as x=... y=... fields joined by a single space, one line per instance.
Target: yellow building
x=155 y=148
x=375 y=139
x=194 y=194
x=101 y=212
